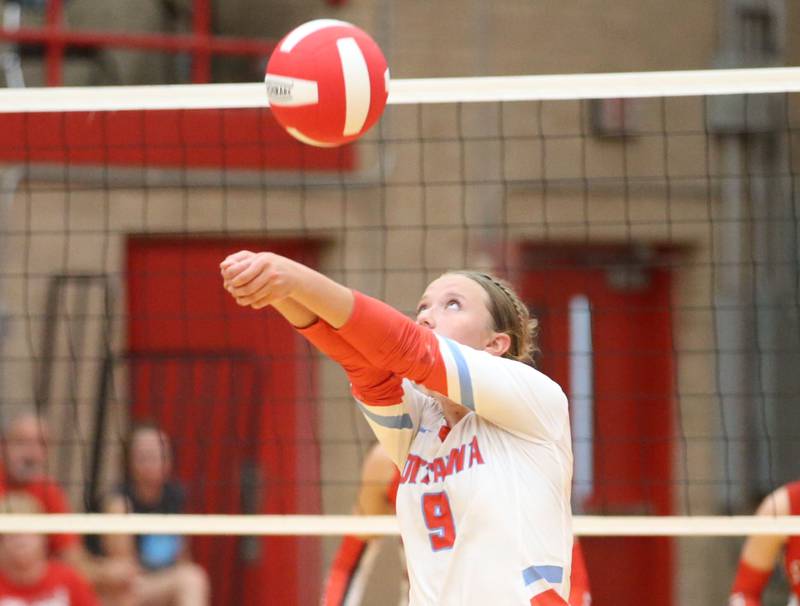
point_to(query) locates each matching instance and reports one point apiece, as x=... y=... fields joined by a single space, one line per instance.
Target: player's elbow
x=775 y=504
x=377 y=391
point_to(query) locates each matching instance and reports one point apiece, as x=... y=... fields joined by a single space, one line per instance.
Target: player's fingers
x=235 y=269
x=258 y=266
x=226 y=269
x=252 y=287
x=263 y=291
x=274 y=290
x=266 y=300
x=258 y=301
x=246 y=276
x=229 y=272
x=227 y=286
x=261 y=303
x=235 y=258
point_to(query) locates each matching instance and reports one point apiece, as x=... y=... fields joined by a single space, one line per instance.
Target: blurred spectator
x=167 y=576
x=24 y=456
x=24 y=470
x=28 y=576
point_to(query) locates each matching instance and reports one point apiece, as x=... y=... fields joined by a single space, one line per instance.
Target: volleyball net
x=649 y=220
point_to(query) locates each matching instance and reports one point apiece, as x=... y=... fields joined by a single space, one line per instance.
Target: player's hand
x=233 y=265
x=258 y=279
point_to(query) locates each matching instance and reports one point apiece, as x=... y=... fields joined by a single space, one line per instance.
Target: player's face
x=25 y=450
x=150 y=458
x=456 y=307
x=20 y=551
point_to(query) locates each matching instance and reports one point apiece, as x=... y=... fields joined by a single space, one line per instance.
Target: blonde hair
x=510 y=316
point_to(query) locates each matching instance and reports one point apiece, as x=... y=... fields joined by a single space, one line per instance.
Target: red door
x=233 y=388
x=606 y=337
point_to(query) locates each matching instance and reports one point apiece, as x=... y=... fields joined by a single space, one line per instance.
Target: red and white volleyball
x=327 y=82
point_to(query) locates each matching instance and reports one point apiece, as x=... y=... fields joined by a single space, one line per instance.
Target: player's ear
x=498 y=344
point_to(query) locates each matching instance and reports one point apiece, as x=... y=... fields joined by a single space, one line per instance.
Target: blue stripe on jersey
x=551 y=574
x=464 y=380
x=392 y=422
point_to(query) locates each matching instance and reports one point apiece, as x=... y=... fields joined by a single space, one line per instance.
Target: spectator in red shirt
x=28 y=577
x=24 y=469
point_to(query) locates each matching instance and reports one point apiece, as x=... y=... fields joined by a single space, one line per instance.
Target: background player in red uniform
x=355 y=558
x=760 y=553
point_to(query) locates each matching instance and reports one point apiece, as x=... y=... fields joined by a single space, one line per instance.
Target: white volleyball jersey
x=484 y=508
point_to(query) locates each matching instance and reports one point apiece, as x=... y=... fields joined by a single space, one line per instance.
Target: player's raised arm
x=461 y=363
x=759 y=555
x=261 y=279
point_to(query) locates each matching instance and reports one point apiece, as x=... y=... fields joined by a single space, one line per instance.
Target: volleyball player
x=760 y=552
x=482 y=438
x=354 y=560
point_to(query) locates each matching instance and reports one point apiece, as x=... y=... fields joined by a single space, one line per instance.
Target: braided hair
x=509 y=315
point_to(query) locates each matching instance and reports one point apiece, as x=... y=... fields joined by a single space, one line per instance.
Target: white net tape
x=325 y=525
x=433 y=90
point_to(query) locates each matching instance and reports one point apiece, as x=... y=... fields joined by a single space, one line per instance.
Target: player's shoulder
x=546 y=390
x=532 y=374
x=48 y=492
x=552 y=383
x=779 y=502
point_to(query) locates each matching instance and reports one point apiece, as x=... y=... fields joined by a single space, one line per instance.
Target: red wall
x=216 y=138
x=633 y=378
x=234 y=389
